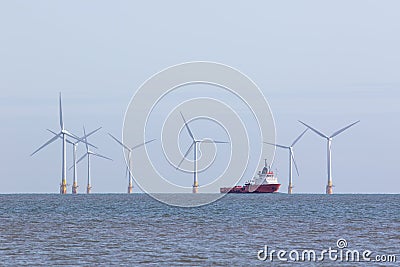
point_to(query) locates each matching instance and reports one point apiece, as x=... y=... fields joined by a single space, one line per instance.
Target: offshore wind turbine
x=63 y=135
x=88 y=154
x=194 y=144
x=329 y=151
x=74 y=147
x=130 y=178
x=291 y=158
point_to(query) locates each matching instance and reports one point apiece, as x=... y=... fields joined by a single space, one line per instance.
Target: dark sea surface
x=135 y=230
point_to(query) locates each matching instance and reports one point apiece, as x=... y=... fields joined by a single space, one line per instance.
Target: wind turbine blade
x=69 y=142
x=92 y=132
x=52 y=132
x=314 y=130
x=187 y=127
x=286 y=147
x=214 y=141
x=119 y=142
x=101 y=156
x=61 y=114
x=295 y=164
x=300 y=136
x=187 y=153
x=343 y=129
x=79 y=139
x=89 y=134
x=47 y=143
x=81 y=158
x=142 y=144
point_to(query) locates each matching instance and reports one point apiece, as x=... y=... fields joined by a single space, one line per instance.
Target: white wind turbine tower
x=88 y=154
x=194 y=144
x=291 y=158
x=329 y=151
x=74 y=146
x=129 y=167
x=63 y=135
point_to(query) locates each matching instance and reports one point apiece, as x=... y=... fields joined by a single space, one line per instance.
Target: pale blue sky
x=327 y=63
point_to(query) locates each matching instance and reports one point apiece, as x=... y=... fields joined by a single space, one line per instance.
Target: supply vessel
x=265 y=182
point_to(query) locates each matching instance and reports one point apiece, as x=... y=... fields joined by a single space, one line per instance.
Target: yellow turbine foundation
x=196 y=187
x=63 y=187
x=290 y=189
x=75 y=188
x=329 y=188
x=88 y=189
x=130 y=188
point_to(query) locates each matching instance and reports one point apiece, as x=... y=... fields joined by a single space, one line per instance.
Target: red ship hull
x=264 y=188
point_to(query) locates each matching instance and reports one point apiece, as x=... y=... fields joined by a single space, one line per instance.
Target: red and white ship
x=266 y=182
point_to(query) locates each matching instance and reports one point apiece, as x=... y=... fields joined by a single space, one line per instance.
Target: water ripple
x=132 y=230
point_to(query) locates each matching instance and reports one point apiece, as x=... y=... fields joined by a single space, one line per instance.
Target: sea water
x=136 y=230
